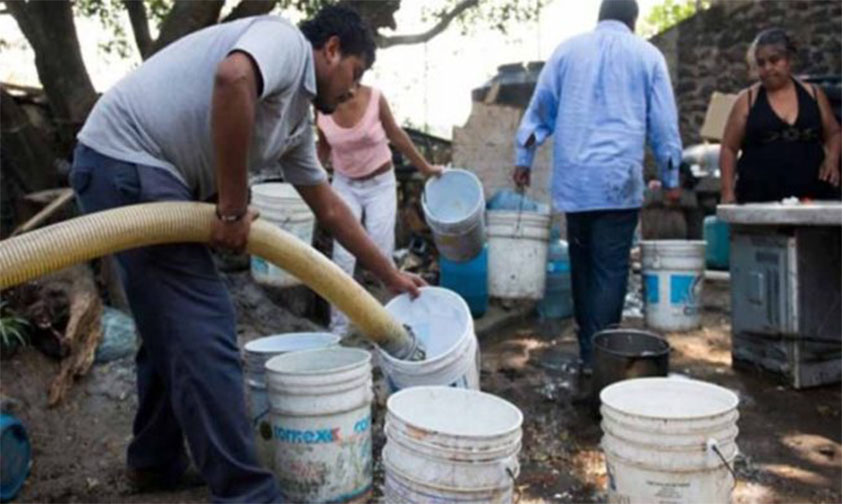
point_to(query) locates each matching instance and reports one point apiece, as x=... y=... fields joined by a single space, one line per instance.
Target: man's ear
x=332 y=49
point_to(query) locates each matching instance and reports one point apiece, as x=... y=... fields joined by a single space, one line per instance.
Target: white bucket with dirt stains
x=447 y=444
x=442 y=321
x=669 y=440
x=256 y=353
x=280 y=204
x=321 y=416
x=453 y=206
x=518 y=243
x=672 y=273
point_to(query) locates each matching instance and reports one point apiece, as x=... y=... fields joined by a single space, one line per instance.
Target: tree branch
x=384 y=41
x=248 y=8
x=140 y=25
x=185 y=17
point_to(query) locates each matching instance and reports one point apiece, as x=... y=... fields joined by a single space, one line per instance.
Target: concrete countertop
x=818 y=213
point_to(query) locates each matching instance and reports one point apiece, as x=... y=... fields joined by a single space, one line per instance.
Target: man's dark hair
x=625 y=11
x=346 y=23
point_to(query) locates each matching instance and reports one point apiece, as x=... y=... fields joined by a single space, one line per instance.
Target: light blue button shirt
x=602 y=95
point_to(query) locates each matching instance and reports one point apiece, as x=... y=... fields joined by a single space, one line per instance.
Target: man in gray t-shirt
x=188 y=124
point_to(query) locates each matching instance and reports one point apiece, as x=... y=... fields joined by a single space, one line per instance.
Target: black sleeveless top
x=780 y=160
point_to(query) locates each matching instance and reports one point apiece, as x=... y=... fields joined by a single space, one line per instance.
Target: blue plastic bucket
x=15 y=456
x=469 y=279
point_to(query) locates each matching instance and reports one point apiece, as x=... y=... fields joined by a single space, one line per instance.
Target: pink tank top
x=361 y=149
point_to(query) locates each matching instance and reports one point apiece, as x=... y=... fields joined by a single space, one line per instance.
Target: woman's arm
x=830 y=171
x=399 y=138
x=731 y=145
x=323 y=148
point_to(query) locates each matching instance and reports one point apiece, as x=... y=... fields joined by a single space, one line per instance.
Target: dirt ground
x=790 y=440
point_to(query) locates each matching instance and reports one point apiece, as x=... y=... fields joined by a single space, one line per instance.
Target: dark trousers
x=190 y=381
x=598 y=244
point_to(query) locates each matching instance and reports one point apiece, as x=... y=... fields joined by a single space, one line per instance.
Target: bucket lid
x=319 y=361
x=669 y=398
x=455 y=411
x=453 y=197
x=291 y=342
x=439 y=317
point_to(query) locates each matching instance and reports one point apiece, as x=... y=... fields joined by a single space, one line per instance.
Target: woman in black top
x=785 y=130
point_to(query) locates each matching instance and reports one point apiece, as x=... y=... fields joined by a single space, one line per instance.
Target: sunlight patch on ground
x=817 y=450
x=795 y=473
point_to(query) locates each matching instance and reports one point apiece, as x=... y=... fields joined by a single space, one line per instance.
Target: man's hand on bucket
x=521 y=177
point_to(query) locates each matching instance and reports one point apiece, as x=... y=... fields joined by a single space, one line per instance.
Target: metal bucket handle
x=713 y=445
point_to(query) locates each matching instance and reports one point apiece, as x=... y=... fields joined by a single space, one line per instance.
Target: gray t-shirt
x=160 y=114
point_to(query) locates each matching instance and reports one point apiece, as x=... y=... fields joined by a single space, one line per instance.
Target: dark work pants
x=598 y=244
x=190 y=381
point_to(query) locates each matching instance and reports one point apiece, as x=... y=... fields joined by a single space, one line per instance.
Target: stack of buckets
x=281 y=205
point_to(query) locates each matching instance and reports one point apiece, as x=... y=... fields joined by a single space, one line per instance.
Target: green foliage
x=669 y=13
x=12 y=328
x=498 y=14
x=108 y=12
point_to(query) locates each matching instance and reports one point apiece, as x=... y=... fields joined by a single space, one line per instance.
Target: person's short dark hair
x=775 y=37
x=625 y=11
x=346 y=23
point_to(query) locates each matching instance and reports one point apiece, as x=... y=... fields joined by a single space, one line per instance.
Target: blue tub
x=468 y=279
x=716 y=235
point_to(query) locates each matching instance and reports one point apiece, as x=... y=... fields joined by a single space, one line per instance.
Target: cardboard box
x=719 y=108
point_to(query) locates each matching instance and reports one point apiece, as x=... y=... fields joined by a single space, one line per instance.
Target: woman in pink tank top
x=355 y=139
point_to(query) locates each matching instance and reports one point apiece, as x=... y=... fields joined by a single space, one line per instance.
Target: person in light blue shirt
x=601 y=96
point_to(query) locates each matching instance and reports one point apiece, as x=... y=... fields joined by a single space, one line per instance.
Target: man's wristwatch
x=231 y=217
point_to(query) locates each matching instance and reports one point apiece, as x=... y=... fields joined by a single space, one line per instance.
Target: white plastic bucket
x=256 y=353
x=669 y=440
x=450 y=445
x=453 y=207
x=281 y=205
x=442 y=321
x=321 y=402
x=673 y=273
x=517 y=253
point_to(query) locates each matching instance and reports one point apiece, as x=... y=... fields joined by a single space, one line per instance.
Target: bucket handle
x=515 y=487
x=714 y=446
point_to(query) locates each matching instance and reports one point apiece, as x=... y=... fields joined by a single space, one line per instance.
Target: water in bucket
x=441 y=319
x=257 y=352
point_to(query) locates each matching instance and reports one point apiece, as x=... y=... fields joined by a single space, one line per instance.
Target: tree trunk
x=27 y=156
x=140 y=26
x=186 y=17
x=49 y=28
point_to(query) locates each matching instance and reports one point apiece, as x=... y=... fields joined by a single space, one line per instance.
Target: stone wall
x=707 y=52
x=485 y=144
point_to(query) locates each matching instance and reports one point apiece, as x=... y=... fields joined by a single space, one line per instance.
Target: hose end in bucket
x=413 y=350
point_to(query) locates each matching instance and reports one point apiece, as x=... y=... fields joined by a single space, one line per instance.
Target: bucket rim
x=640 y=332
x=252 y=347
x=271 y=364
x=481 y=201
x=397 y=396
x=427 y=362
x=262 y=190
x=733 y=399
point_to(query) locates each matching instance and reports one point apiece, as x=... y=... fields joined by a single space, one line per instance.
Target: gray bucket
x=621 y=354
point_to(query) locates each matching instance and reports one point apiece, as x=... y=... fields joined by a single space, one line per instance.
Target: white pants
x=374 y=202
